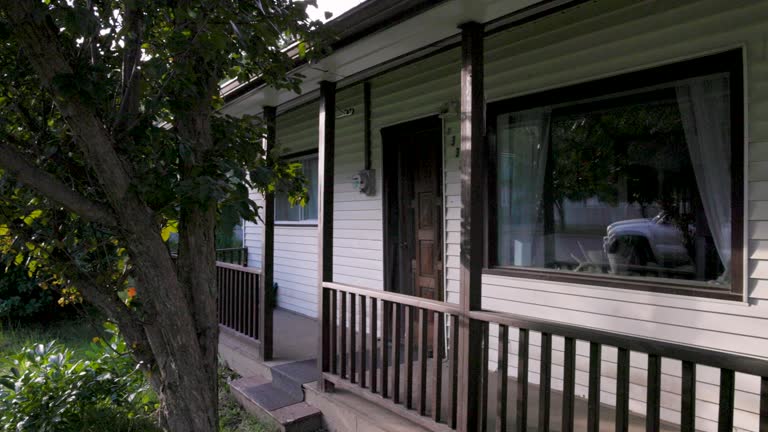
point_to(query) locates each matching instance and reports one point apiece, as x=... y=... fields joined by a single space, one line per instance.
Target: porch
x=385 y=376
x=518 y=350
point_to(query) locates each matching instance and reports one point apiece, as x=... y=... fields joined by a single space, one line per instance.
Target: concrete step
x=273 y=405
x=344 y=411
x=290 y=377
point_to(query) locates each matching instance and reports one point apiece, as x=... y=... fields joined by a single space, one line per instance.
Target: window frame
x=297 y=157
x=730 y=62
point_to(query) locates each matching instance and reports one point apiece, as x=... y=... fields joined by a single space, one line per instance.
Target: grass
x=77 y=335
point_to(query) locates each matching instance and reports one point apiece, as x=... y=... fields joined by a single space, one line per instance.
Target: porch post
x=268 y=250
x=326 y=149
x=473 y=164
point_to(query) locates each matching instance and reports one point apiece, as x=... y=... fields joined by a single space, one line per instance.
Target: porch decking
x=295 y=343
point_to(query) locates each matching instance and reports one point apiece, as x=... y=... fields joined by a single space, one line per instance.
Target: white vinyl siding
x=295 y=246
x=589 y=42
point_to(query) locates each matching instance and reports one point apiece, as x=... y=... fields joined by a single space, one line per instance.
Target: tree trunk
x=183 y=341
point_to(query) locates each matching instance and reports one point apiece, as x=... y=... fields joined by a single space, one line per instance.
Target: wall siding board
x=560 y=50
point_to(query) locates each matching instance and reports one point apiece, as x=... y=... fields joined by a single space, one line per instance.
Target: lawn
x=78 y=335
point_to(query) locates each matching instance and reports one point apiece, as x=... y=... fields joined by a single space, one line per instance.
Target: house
x=530 y=214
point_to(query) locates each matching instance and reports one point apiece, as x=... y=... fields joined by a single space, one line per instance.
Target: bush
x=46 y=390
x=20 y=296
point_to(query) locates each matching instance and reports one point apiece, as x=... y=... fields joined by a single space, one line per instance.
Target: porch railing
x=404 y=364
x=237 y=256
x=238 y=302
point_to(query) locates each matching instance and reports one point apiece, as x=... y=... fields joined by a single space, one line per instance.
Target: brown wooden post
x=326 y=152
x=473 y=165
x=266 y=281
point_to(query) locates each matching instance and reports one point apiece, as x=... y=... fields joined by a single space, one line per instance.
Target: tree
x=110 y=140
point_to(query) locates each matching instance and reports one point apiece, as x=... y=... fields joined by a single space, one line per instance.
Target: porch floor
x=295 y=336
x=296 y=339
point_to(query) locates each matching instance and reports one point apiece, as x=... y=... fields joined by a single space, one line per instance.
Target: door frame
x=391 y=202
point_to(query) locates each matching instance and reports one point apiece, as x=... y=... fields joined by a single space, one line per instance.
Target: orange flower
x=131 y=292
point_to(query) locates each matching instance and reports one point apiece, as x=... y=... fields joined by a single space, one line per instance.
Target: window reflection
x=636 y=184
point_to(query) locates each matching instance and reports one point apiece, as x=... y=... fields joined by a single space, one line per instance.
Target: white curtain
x=523 y=139
x=705 y=110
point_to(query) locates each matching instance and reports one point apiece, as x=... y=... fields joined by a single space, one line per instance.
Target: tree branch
x=43 y=49
x=129 y=103
x=49 y=186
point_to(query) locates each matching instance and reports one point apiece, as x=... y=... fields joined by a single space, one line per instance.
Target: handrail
x=404 y=299
x=238 y=267
x=717 y=359
x=409 y=323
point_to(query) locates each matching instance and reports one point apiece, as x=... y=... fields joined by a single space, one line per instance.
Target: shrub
x=20 y=296
x=46 y=390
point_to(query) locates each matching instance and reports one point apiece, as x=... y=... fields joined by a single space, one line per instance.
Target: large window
x=284 y=211
x=632 y=180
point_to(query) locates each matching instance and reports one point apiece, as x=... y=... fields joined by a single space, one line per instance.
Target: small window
x=284 y=211
x=636 y=180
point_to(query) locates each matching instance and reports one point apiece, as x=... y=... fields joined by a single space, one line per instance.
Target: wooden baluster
x=334 y=332
x=343 y=325
x=593 y=404
x=244 y=306
x=727 y=387
x=453 y=361
x=241 y=302
x=363 y=341
x=256 y=303
x=352 y=338
x=483 y=399
x=521 y=425
x=253 y=294
x=503 y=379
x=218 y=294
x=423 y=351
x=569 y=384
x=653 y=404
x=622 y=391
x=230 y=301
x=223 y=295
x=238 y=301
x=545 y=388
x=246 y=303
x=437 y=371
x=386 y=336
x=398 y=330
x=374 y=344
x=764 y=404
x=688 y=393
x=409 y=333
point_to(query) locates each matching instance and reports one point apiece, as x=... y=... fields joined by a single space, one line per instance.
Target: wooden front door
x=413 y=207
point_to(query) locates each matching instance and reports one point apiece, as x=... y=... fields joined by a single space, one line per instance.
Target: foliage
x=74 y=334
x=21 y=298
x=47 y=389
x=113 y=142
x=232 y=417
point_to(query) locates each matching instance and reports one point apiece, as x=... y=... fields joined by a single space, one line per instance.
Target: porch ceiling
x=378 y=46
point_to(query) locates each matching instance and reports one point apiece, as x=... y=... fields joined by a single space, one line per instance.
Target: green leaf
x=302 y=49
x=29 y=219
x=170 y=228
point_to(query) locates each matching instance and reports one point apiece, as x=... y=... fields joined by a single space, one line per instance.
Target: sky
x=337 y=7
